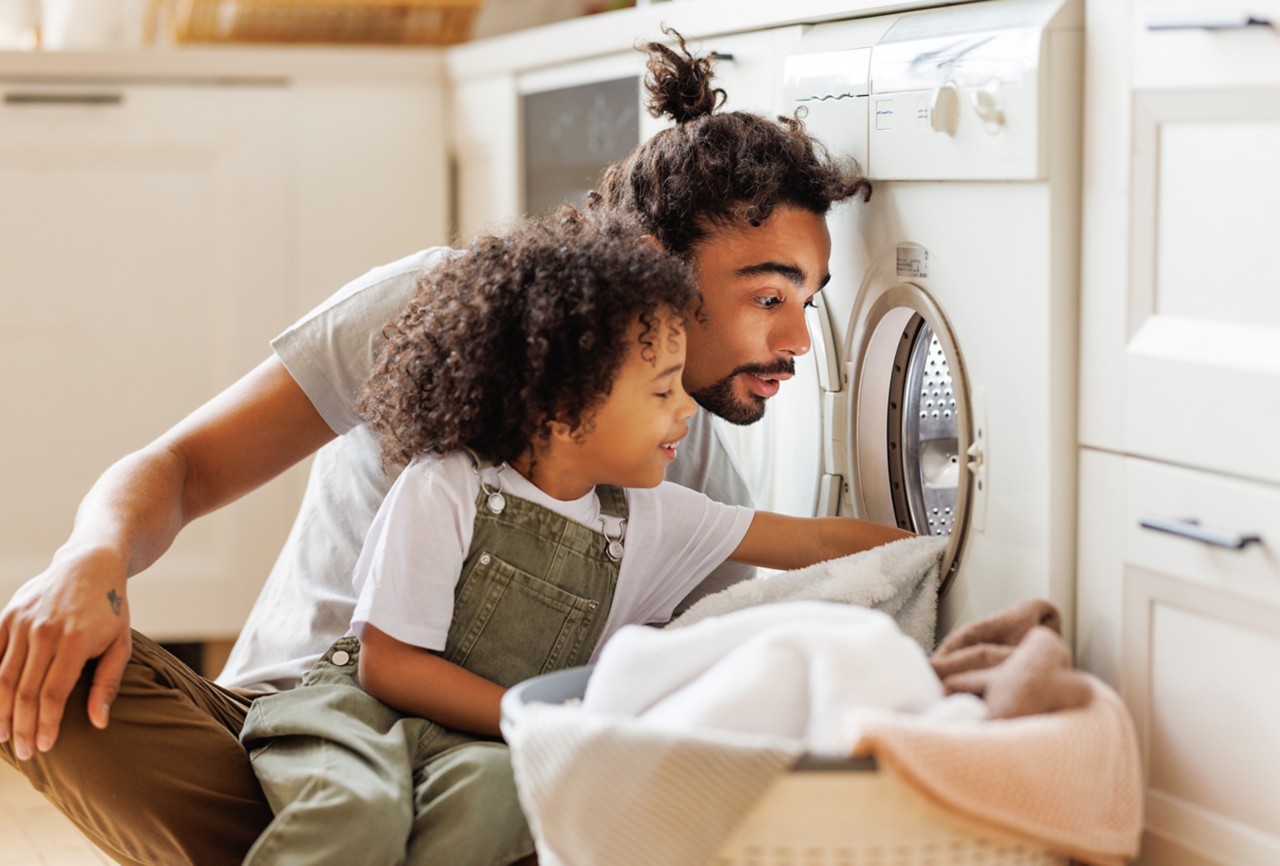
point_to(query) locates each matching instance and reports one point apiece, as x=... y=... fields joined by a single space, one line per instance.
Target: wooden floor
x=33 y=833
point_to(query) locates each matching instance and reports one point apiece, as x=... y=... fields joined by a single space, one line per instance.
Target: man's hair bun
x=678 y=83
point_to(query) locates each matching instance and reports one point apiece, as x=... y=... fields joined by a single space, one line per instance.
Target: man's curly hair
x=712 y=169
x=518 y=331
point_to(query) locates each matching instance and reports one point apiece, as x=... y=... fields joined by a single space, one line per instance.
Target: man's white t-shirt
x=408 y=570
x=308 y=599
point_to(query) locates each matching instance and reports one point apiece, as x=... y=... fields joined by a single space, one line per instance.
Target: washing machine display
x=948 y=359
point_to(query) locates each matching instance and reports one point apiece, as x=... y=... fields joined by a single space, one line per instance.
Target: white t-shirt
x=409 y=567
x=308 y=599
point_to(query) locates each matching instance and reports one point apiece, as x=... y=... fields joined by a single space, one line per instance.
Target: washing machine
x=940 y=393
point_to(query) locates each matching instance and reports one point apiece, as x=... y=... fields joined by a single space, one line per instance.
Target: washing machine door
x=913 y=453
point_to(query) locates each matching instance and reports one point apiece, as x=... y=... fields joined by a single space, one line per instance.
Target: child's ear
x=560 y=430
x=652 y=241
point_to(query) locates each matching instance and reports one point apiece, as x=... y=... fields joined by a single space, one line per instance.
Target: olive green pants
x=353 y=781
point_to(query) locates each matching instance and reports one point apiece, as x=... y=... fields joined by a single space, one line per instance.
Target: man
x=142 y=753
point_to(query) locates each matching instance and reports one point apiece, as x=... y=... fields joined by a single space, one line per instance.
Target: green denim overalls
x=354 y=781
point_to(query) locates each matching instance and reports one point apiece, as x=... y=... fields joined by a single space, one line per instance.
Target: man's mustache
x=782 y=365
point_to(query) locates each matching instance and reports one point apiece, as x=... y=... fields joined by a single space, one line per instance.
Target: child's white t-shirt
x=414 y=552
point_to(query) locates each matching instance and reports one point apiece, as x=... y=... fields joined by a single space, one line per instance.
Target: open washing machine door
x=906 y=430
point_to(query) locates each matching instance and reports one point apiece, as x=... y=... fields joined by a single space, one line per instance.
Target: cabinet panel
x=1201 y=638
x=141 y=274
x=1203 y=335
x=1198 y=666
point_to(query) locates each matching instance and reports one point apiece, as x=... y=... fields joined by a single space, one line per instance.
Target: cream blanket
x=900 y=578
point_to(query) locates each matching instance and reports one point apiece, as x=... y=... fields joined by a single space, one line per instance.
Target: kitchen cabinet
x=1178 y=595
x=158 y=225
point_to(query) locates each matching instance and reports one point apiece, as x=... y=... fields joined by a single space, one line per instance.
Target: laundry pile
x=681 y=730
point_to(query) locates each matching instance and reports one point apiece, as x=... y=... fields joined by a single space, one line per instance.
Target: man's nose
x=791 y=332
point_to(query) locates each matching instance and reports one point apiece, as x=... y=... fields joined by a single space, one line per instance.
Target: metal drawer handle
x=1193 y=530
x=46 y=98
x=1208 y=19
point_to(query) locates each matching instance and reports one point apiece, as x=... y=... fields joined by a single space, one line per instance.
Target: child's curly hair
x=715 y=168
x=519 y=331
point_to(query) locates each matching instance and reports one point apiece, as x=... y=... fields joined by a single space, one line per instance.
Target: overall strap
x=613 y=500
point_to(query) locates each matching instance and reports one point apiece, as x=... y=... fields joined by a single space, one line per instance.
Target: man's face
x=755 y=285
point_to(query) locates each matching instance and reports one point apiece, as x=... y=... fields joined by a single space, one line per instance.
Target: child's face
x=633 y=433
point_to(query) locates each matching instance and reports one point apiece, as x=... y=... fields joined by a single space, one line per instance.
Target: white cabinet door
x=1201 y=623
x=1184 y=365
x=142 y=269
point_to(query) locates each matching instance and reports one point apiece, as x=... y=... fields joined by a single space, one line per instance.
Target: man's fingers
x=64 y=670
x=26 y=699
x=106 y=679
x=13 y=647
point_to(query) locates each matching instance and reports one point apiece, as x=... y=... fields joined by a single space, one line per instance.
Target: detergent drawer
x=1201 y=644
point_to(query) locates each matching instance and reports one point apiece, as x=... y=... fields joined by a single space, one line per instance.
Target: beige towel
x=1071 y=780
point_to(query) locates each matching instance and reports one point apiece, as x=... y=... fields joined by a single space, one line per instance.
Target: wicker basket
x=831 y=813
x=409 y=22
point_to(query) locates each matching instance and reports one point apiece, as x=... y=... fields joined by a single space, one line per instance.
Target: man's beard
x=719 y=398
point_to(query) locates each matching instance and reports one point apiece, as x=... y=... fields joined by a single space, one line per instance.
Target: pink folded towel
x=1057 y=761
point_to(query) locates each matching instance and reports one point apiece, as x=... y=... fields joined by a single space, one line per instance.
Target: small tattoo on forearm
x=116 y=602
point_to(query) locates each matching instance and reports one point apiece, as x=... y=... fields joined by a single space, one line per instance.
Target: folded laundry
x=1015 y=660
x=1056 y=762
x=1070 y=781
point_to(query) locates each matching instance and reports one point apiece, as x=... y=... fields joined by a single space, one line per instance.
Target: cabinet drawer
x=1201 y=633
x=1168 y=499
x=1205 y=43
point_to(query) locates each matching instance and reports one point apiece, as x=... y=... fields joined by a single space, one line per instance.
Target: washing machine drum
x=911 y=427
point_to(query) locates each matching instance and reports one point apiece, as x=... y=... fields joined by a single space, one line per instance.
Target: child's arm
x=418 y=682
x=778 y=541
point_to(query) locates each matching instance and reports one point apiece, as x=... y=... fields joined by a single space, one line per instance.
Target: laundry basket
x=830 y=812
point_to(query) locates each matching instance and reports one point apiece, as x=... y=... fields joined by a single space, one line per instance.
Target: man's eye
x=767 y=301
x=810 y=304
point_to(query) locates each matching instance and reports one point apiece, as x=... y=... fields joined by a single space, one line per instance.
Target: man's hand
x=73 y=612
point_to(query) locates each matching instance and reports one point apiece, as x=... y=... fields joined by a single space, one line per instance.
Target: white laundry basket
x=830 y=812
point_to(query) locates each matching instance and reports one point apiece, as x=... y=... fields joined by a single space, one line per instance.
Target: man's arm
x=77 y=609
x=420 y=683
x=782 y=542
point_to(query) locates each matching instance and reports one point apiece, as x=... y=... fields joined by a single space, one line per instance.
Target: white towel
x=900 y=578
x=680 y=731
x=789 y=669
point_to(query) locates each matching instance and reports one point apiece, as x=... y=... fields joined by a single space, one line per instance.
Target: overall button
x=484 y=559
x=340 y=658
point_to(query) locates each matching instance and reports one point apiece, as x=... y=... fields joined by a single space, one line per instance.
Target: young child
x=533 y=387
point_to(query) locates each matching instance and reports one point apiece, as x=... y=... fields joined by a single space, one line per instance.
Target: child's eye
x=664 y=394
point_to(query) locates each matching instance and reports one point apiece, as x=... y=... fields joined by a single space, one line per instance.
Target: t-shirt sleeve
x=692 y=535
x=330 y=352
x=409 y=566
